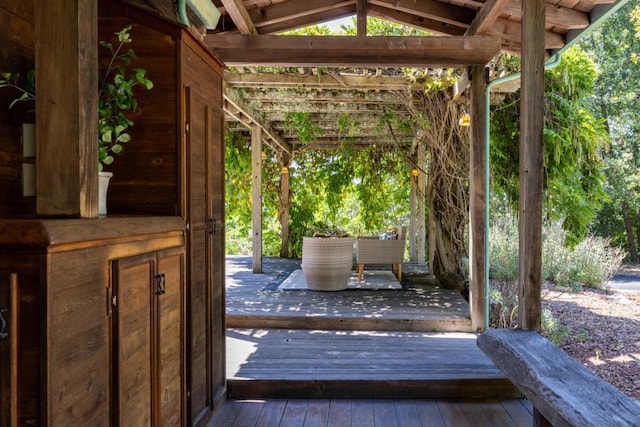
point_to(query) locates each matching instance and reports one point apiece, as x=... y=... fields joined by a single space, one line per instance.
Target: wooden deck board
x=369 y=413
x=270 y=363
x=252 y=302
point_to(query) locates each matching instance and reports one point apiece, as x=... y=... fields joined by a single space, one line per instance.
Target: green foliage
x=614 y=47
x=302 y=125
x=573 y=142
x=552 y=329
x=25 y=87
x=592 y=262
x=359 y=191
x=116 y=99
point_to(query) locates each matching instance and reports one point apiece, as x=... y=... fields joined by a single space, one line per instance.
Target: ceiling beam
x=361 y=18
x=311 y=51
x=431 y=9
x=233 y=97
x=555 y=15
x=238 y=13
x=419 y=22
x=486 y=17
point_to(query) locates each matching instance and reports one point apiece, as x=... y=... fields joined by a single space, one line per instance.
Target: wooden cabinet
x=176 y=167
x=147 y=300
x=95 y=317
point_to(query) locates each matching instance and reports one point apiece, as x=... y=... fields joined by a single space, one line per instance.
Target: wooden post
x=256 y=199
x=422 y=200
x=531 y=162
x=413 y=201
x=361 y=18
x=66 y=51
x=477 y=244
x=285 y=203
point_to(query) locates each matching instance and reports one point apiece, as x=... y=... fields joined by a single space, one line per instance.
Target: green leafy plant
x=116 y=98
x=26 y=86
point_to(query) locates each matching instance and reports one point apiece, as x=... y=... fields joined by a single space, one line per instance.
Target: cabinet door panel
x=199 y=291
x=133 y=333
x=170 y=334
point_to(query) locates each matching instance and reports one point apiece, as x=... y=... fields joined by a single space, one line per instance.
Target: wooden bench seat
x=563 y=392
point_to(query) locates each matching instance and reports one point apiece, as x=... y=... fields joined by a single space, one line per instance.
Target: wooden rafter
x=240 y=16
x=486 y=17
x=235 y=50
x=555 y=15
x=431 y=9
x=421 y=23
x=325 y=81
x=232 y=97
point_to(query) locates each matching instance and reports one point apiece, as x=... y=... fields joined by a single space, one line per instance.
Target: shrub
x=591 y=262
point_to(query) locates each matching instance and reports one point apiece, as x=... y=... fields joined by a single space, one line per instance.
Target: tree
x=614 y=47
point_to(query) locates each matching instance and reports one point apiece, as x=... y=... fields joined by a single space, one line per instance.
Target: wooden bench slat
x=565 y=392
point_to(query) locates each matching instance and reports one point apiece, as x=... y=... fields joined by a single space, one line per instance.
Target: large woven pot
x=327 y=262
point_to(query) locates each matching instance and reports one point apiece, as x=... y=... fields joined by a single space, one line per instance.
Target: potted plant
x=327 y=258
x=116 y=100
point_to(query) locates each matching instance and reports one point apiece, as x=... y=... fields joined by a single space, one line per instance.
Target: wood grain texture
x=531 y=168
x=366 y=413
x=358 y=364
x=256 y=197
x=67 y=108
x=561 y=389
x=237 y=50
x=477 y=243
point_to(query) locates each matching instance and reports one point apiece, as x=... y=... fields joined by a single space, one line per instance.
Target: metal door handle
x=161 y=284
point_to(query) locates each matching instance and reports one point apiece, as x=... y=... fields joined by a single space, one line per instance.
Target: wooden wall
x=16 y=55
x=147 y=176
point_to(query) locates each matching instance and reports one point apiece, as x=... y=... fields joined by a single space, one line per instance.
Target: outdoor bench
x=562 y=391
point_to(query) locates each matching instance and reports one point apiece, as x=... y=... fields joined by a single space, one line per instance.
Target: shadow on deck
x=254 y=300
x=349 y=355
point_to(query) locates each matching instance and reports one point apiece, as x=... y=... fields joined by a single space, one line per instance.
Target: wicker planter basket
x=327 y=262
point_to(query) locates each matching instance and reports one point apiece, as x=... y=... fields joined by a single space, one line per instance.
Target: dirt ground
x=604 y=332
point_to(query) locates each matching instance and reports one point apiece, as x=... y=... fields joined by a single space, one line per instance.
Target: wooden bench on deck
x=563 y=392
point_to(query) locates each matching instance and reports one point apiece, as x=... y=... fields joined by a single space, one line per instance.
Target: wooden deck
x=372 y=413
x=357 y=357
x=253 y=300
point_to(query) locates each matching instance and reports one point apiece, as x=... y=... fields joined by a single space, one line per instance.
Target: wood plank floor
x=372 y=413
x=253 y=301
x=266 y=363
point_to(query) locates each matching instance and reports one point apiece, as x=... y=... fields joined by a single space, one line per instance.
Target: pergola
x=467 y=35
x=100 y=308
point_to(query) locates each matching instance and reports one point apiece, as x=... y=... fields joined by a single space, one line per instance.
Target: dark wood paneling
x=29 y=335
x=146 y=176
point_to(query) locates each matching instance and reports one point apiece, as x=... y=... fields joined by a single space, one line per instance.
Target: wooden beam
x=486 y=17
x=413 y=213
x=421 y=23
x=437 y=52
x=461 y=85
x=421 y=191
x=231 y=96
x=477 y=243
x=238 y=13
x=531 y=165
x=361 y=17
x=294 y=10
x=325 y=81
x=555 y=15
x=66 y=33
x=256 y=197
x=432 y=9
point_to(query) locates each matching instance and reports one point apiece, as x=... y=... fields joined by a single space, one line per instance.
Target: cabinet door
x=171 y=338
x=8 y=349
x=199 y=244
x=133 y=336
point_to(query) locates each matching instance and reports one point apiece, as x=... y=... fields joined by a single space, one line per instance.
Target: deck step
x=278 y=363
x=415 y=323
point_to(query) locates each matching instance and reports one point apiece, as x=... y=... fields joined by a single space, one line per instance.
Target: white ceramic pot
x=103 y=188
